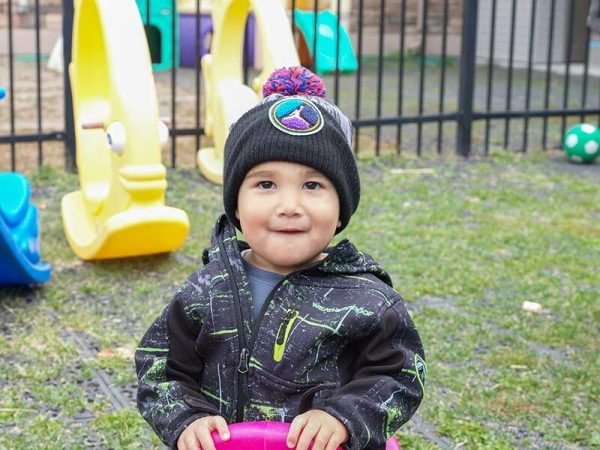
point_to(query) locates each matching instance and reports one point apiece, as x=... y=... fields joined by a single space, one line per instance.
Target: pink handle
x=265 y=435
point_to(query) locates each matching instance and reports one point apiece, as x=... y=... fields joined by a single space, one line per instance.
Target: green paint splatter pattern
x=337 y=308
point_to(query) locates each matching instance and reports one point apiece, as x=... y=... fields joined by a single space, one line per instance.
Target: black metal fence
x=433 y=76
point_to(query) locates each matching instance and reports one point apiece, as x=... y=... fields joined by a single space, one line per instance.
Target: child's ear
x=237 y=214
x=339 y=223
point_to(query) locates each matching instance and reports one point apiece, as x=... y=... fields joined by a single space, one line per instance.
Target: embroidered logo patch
x=296 y=116
x=421 y=369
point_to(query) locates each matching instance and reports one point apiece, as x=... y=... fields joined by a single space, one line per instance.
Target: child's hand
x=327 y=432
x=197 y=434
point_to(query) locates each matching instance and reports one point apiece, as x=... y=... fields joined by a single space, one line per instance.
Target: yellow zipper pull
x=283 y=332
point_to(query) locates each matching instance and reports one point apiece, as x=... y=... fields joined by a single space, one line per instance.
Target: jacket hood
x=342 y=258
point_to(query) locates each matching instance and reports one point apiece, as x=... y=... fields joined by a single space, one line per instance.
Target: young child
x=281 y=327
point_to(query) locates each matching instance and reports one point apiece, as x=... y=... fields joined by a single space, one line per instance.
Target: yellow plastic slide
x=120 y=209
x=227 y=97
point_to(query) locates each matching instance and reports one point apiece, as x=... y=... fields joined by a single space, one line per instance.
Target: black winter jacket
x=333 y=336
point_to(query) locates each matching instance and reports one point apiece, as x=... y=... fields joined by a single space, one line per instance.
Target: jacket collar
x=342 y=258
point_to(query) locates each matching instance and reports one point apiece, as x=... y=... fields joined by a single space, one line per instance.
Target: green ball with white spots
x=582 y=143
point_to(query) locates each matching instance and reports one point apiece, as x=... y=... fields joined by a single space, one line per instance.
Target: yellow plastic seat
x=120 y=209
x=227 y=97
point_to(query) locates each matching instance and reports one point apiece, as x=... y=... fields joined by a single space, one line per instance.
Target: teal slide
x=327 y=24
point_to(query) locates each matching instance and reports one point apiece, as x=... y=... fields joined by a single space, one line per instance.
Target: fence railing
x=433 y=76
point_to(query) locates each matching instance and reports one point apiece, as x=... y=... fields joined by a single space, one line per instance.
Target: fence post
x=467 y=77
x=67 y=31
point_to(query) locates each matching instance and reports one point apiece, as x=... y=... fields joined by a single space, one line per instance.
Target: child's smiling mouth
x=289 y=230
x=288 y=227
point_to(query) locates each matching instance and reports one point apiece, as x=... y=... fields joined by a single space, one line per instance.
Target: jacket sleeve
x=386 y=383
x=169 y=370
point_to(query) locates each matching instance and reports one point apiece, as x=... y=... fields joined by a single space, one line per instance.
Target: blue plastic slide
x=19 y=234
x=327 y=24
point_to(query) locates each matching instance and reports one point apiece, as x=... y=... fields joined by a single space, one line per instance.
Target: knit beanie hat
x=293 y=123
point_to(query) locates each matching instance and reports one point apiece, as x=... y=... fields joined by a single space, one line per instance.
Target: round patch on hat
x=296 y=116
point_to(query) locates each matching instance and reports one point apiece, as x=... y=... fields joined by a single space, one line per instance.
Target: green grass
x=466 y=242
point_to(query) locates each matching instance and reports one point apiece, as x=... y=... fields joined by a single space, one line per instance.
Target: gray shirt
x=262 y=283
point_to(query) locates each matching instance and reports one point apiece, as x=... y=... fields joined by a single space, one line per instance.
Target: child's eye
x=266 y=185
x=312 y=185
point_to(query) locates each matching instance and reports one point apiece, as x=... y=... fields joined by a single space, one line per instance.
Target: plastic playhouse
x=227 y=97
x=119 y=210
x=158 y=25
x=20 y=261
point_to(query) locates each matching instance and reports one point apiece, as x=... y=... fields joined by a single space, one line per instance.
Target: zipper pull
x=283 y=333
x=283 y=325
x=243 y=366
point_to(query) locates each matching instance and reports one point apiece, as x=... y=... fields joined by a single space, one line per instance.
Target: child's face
x=289 y=213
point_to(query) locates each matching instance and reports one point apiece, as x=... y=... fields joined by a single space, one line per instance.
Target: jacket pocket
x=281 y=395
x=202 y=405
x=214 y=344
x=306 y=401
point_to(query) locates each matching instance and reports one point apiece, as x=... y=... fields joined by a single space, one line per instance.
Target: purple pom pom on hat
x=296 y=80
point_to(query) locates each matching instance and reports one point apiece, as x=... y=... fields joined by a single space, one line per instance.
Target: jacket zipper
x=244 y=353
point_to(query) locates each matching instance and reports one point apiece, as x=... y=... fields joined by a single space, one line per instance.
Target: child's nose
x=290 y=203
